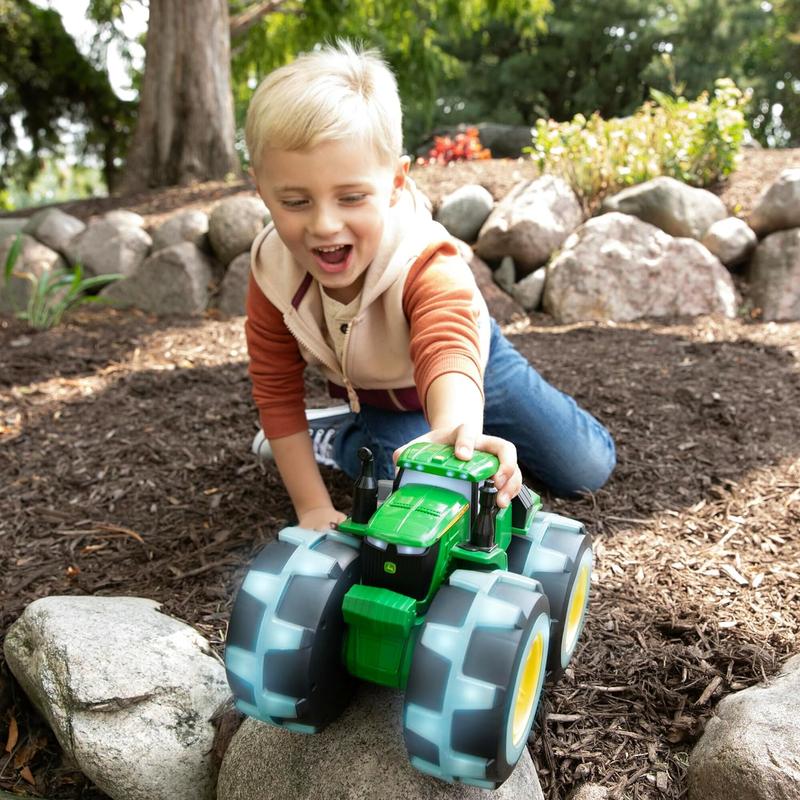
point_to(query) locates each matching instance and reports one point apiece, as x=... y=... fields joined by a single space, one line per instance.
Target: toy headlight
x=379 y=543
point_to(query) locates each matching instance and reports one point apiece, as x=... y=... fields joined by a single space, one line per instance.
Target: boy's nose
x=325 y=222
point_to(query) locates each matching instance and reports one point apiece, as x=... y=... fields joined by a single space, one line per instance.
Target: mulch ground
x=125 y=470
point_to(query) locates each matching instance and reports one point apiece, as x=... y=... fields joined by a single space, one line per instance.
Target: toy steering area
x=427 y=587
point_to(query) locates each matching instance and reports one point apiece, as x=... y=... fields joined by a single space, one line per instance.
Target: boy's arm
x=446 y=355
x=276 y=369
x=294 y=458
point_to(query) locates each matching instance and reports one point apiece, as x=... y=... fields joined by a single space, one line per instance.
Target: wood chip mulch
x=125 y=470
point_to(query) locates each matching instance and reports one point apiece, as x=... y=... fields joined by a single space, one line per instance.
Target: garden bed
x=124 y=455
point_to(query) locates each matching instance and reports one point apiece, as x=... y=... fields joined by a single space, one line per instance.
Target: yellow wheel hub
x=577 y=604
x=528 y=685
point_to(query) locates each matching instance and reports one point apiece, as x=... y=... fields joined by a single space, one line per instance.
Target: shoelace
x=322 y=442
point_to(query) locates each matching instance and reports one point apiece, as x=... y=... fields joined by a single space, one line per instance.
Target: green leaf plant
x=696 y=142
x=55 y=292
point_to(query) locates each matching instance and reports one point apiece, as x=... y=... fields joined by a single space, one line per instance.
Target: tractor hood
x=416 y=515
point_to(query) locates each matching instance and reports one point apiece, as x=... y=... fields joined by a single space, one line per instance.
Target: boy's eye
x=290 y=203
x=353 y=198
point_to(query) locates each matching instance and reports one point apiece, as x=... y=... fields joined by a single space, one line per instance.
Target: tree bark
x=185 y=129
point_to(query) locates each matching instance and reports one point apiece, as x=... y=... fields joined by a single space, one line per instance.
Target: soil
x=125 y=464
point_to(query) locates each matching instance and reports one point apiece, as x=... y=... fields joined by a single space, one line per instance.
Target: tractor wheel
x=562 y=563
x=283 y=653
x=476 y=675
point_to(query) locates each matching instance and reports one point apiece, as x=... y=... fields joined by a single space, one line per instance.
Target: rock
x=505 y=276
x=775 y=275
x=676 y=208
x=589 y=791
x=127 y=691
x=174 y=280
x=778 y=207
x=233 y=289
x=35 y=259
x=500 y=305
x=54 y=228
x=731 y=240
x=464 y=211
x=530 y=223
x=9 y=226
x=186 y=226
x=233 y=225
x=107 y=247
x=121 y=218
x=360 y=755
x=616 y=267
x=750 y=749
x=528 y=292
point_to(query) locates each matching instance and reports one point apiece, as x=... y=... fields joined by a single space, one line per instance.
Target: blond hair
x=335 y=92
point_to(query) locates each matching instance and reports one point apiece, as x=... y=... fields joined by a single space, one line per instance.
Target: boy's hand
x=320 y=519
x=507 y=479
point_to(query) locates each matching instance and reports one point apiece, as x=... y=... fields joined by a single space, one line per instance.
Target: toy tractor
x=435 y=591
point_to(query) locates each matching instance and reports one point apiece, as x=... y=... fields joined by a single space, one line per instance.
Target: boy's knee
x=589 y=471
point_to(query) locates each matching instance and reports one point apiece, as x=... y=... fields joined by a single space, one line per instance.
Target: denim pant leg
x=380 y=430
x=565 y=447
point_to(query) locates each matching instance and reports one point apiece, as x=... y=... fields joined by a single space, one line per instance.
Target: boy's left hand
x=507 y=479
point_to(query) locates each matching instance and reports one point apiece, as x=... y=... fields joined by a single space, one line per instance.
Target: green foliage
x=414 y=37
x=693 y=141
x=55 y=95
x=55 y=292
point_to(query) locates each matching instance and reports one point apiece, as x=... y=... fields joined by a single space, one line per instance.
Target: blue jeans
x=560 y=444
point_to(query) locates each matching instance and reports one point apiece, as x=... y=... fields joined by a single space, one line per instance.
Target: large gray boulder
x=107 y=247
x=128 y=692
x=775 y=275
x=54 y=228
x=233 y=289
x=360 y=755
x=464 y=211
x=233 y=225
x=778 y=207
x=530 y=223
x=36 y=260
x=616 y=267
x=185 y=226
x=750 y=749
x=676 y=208
x=174 y=280
x=731 y=240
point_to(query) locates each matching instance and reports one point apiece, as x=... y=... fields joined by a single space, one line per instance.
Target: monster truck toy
x=434 y=590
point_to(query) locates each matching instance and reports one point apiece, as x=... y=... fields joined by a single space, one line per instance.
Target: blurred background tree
x=468 y=61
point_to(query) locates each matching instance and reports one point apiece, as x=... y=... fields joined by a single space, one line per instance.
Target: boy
x=352 y=275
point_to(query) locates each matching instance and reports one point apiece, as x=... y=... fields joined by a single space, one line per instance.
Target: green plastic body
x=433 y=505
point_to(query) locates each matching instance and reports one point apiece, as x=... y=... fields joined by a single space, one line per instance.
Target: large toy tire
x=561 y=560
x=283 y=653
x=476 y=675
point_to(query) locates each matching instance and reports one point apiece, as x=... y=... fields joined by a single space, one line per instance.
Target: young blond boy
x=353 y=276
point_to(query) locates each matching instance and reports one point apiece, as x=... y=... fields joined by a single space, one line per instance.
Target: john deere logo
x=390 y=567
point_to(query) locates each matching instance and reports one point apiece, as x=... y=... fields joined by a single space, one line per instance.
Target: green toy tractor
x=433 y=590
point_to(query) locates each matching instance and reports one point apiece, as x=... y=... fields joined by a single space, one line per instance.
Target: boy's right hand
x=320 y=519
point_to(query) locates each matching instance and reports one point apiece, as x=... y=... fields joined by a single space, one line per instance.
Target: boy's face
x=329 y=204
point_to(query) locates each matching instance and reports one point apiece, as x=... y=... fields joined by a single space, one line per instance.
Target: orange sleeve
x=276 y=367
x=439 y=306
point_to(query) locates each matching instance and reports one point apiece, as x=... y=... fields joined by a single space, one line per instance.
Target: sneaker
x=323 y=424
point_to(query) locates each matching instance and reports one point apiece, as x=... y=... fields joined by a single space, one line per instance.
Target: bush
x=694 y=141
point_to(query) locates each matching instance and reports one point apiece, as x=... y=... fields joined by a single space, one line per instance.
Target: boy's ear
x=400 y=175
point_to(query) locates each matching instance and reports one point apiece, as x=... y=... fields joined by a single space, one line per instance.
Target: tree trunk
x=185 y=128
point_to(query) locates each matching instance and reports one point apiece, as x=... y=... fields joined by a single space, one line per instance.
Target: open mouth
x=334 y=258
